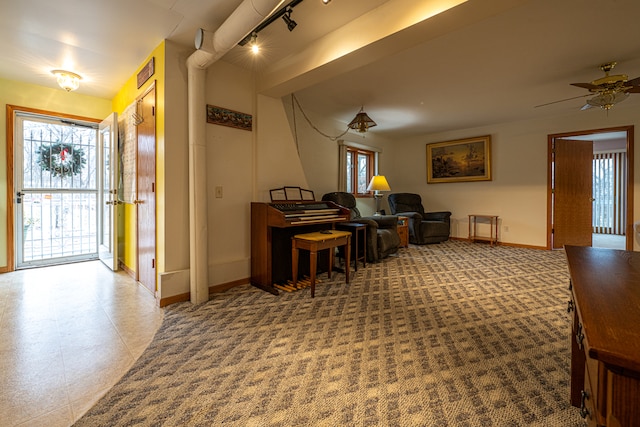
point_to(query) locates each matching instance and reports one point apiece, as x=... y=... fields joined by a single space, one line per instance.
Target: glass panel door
x=56 y=191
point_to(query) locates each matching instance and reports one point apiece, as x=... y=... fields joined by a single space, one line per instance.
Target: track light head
x=291 y=24
x=254 y=43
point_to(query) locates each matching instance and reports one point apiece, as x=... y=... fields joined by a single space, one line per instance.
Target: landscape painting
x=459 y=160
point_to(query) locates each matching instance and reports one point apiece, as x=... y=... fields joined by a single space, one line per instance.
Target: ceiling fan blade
x=633 y=82
x=589 y=86
x=562 y=100
x=634 y=89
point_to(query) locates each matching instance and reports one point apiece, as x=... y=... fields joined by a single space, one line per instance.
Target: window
x=359 y=170
x=609 y=203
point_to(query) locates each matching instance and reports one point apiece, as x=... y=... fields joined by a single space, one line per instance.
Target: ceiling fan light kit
x=608 y=90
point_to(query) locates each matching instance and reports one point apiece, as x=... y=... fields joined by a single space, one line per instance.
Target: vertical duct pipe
x=211 y=47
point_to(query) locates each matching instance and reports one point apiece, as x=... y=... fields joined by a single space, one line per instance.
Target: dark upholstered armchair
x=424 y=227
x=382 y=234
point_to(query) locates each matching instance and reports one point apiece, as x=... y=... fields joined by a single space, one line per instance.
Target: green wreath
x=61 y=159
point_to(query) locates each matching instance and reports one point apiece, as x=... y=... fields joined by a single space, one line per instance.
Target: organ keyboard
x=273 y=225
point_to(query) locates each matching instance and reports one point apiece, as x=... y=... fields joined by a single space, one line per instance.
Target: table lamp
x=378 y=183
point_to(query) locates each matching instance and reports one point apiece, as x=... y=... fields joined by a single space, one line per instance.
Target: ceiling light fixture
x=362 y=122
x=291 y=24
x=67 y=80
x=285 y=10
x=606 y=100
x=254 y=43
x=326 y=1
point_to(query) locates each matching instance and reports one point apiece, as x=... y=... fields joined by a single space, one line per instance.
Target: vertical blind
x=609 y=189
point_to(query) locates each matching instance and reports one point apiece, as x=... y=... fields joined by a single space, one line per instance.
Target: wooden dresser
x=605 y=344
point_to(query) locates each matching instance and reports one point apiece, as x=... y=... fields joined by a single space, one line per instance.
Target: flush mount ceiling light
x=361 y=122
x=291 y=24
x=67 y=80
x=326 y=1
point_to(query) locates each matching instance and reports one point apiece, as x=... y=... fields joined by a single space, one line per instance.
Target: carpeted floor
x=453 y=334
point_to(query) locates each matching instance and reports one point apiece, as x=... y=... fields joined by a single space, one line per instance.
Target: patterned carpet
x=453 y=334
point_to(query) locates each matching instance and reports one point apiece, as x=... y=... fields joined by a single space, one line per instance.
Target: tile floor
x=67 y=334
x=609 y=241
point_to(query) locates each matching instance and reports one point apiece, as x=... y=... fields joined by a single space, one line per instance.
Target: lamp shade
x=378 y=183
x=361 y=122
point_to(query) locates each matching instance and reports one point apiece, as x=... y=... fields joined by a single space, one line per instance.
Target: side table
x=358 y=242
x=403 y=231
x=473 y=228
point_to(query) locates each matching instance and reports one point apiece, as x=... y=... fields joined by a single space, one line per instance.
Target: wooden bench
x=317 y=241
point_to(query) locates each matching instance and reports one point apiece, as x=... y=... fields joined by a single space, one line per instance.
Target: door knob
x=138 y=202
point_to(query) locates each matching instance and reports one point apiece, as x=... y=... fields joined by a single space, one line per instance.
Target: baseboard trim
x=223 y=287
x=127 y=270
x=214 y=289
x=174 y=299
x=514 y=245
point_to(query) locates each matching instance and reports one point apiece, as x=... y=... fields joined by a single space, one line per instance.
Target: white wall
x=172 y=204
x=518 y=191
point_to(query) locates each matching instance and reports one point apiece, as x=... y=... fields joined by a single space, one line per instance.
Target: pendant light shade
x=361 y=122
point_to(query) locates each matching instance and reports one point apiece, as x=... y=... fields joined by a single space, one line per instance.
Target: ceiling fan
x=608 y=90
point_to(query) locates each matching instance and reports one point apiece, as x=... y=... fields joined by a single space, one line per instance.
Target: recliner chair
x=424 y=227
x=382 y=231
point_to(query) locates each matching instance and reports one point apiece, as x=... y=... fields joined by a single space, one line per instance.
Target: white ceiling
x=495 y=68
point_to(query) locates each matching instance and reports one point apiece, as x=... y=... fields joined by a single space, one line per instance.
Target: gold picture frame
x=459 y=160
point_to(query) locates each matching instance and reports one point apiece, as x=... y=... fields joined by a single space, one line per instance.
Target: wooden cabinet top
x=606 y=288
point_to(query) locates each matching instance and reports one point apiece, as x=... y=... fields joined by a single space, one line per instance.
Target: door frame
x=10 y=211
x=629 y=130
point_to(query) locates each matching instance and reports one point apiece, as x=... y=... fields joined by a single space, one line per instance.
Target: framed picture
x=459 y=160
x=225 y=117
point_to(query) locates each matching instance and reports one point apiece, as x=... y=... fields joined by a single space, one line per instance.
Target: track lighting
x=254 y=43
x=291 y=24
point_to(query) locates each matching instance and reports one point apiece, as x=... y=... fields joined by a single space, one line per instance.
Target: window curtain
x=609 y=189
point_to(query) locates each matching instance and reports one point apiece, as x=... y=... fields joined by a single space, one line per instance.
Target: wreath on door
x=61 y=159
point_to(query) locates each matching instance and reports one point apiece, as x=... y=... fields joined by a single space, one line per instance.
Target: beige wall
x=319 y=153
x=245 y=165
x=42 y=98
x=518 y=191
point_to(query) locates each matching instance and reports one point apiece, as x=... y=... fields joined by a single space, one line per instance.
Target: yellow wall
x=125 y=97
x=42 y=98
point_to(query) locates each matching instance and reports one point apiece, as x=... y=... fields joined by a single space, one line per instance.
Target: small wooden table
x=357 y=230
x=317 y=241
x=473 y=228
x=403 y=231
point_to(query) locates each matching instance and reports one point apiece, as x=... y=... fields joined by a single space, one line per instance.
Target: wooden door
x=572 y=193
x=146 y=200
